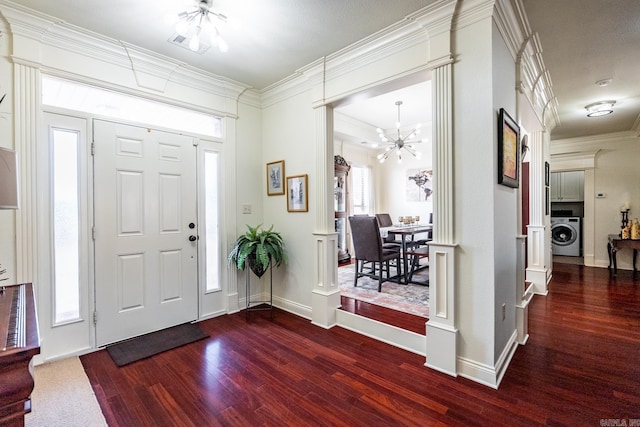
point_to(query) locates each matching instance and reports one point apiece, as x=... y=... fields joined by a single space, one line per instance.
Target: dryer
x=565 y=236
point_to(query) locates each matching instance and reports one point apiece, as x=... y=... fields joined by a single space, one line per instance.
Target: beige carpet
x=63 y=397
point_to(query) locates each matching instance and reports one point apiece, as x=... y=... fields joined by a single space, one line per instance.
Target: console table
x=614 y=245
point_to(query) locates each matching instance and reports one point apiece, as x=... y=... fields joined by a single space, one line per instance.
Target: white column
x=441 y=328
x=326 y=293
x=26 y=119
x=538 y=257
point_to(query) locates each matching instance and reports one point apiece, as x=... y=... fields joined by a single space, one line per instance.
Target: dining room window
x=361 y=189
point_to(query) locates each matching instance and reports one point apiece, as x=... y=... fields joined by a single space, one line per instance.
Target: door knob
x=192 y=238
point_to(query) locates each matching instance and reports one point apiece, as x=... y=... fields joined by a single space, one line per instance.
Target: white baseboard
x=392 y=335
x=487 y=374
x=303 y=311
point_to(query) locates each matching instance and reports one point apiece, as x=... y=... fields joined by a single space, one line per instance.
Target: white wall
x=475 y=184
x=7 y=217
x=392 y=185
x=390 y=179
x=507 y=201
x=617 y=174
x=250 y=182
x=288 y=130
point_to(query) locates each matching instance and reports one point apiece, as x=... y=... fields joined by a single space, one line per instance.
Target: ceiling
x=583 y=41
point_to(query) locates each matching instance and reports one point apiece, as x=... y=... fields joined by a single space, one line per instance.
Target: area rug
x=63 y=397
x=411 y=298
x=144 y=346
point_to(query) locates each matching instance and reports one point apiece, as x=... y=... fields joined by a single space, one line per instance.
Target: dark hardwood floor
x=581 y=365
x=407 y=321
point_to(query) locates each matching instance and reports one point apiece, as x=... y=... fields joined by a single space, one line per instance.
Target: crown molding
x=414 y=32
x=532 y=77
x=573 y=161
x=591 y=143
x=151 y=70
x=471 y=12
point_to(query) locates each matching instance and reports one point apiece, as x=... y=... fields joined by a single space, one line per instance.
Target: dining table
x=407 y=235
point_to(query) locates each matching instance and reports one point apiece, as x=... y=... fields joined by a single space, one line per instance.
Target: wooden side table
x=614 y=245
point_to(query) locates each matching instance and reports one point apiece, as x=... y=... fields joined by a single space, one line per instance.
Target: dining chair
x=416 y=254
x=384 y=220
x=368 y=247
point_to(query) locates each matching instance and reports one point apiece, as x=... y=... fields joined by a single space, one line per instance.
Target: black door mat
x=144 y=346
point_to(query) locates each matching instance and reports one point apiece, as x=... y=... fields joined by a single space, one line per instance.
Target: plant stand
x=259 y=307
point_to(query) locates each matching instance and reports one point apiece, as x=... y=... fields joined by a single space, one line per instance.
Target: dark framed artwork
x=297 y=193
x=275 y=178
x=546 y=173
x=508 y=150
x=546 y=200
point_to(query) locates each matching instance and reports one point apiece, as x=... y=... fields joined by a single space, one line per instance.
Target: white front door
x=145 y=230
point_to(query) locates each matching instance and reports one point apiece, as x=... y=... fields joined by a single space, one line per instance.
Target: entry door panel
x=146 y=265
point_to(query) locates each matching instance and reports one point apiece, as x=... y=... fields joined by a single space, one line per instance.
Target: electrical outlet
x=504 y=311
x=246 y=209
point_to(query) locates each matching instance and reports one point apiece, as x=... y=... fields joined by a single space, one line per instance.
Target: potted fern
x=258 y=248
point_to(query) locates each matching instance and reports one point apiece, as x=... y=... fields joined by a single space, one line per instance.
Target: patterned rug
x=409 y=298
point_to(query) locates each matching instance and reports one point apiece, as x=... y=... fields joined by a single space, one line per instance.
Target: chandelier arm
x=411 y=150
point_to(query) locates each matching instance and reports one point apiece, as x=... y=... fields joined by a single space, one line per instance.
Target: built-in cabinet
x=567 y=186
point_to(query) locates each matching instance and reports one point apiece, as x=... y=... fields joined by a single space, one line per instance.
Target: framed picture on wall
x=297 y=193
x=546 y=200
x=275 y=178
x=547 y=173
x=508 y=150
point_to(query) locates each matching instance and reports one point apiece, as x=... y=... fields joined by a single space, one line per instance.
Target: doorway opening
x=392 y=187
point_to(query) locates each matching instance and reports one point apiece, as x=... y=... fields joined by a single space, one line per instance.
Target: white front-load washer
x=565 y=236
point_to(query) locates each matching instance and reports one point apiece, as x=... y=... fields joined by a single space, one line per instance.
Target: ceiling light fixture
x=199 y=21
x=399 y=142
x=601 y=108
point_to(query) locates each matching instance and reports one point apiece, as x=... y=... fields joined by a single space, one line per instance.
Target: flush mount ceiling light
x=604 y=82
x=201 y=21
x=601 y=108
x=398 y=143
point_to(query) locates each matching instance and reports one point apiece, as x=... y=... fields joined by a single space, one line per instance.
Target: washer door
x=563 y=234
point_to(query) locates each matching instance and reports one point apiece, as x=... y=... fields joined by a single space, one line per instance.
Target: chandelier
x=398 y=143
x=201 y=21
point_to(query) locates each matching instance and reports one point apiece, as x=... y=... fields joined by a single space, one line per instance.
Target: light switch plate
x=246 y=209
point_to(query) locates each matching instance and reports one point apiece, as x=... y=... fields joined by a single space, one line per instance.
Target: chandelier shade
x=398 y=143
x=201 y=22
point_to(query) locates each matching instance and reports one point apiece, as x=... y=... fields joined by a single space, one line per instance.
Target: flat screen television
x=8 y=179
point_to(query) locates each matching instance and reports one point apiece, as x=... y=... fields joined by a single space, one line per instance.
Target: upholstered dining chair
x=368 y=247
x=384 y=220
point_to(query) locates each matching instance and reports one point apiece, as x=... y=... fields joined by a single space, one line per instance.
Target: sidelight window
x=66 y=225
x=212 y=221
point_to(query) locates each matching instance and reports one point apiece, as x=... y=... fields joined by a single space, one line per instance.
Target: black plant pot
x=255 y=266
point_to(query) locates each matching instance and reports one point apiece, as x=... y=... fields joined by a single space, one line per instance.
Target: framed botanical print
x=297 y=193
x=275 y=178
